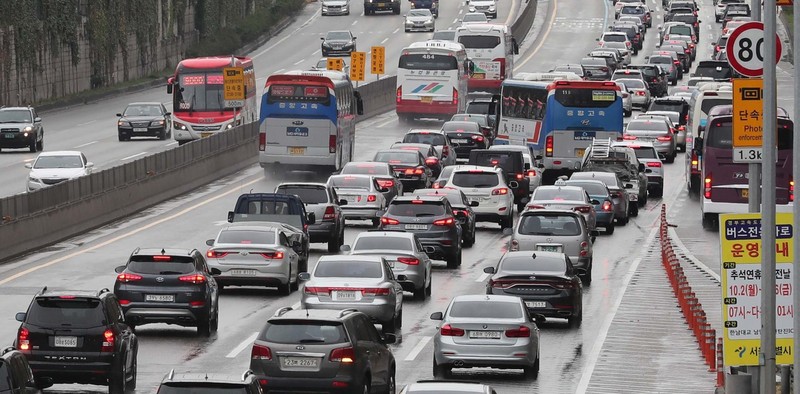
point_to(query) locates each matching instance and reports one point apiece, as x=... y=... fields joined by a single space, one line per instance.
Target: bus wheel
x=709 y=221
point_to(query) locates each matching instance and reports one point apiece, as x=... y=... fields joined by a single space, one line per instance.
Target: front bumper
x=17 y=140
x=336 y=52
x=148 y=131
x=415 y=27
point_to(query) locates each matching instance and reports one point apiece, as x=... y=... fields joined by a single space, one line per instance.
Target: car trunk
x=484 y=332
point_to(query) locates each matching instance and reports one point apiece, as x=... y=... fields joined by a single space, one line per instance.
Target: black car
x=483 y=105
x=193 y=383
x=460 y=203
x=720 y=70
x=144 y=120
x=434 y=221
x=483 y=120
x=338 y=43
x=654 y=76
x=16 y=376
x=171 y=286
x=672 y=103
x=409 y=167
x=21 y=127
x=78 y=337
x=465 y=136
x=432 y=5
x=513 y=166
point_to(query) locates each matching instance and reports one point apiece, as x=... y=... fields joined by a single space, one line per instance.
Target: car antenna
x=307 y=313
x=163 y=251
x=534 y=255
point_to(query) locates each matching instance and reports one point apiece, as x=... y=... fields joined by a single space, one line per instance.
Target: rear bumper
x=305 y=383
x=380 y=310
x=434 y=108
x=73 y=372
x=271 y=279
x=360 y=213
x=322 y=232
x=187 y=316
x=484 y=84
x=562 y=163
x=556 y=305
x=266 y=159
x=708 y=206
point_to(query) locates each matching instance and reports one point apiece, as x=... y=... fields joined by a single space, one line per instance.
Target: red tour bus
x=725 y=183
x=198 y=105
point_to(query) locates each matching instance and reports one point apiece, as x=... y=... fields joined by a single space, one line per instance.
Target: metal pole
x=754 y=200
x=796 y=207
x=755 y=9
x=768 y=206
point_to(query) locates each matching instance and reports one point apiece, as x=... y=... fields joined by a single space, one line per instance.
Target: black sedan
x=144 y=120
x=338 y=43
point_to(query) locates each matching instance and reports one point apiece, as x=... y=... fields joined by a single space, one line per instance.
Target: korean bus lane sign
x=740 y=243
x=233 y=82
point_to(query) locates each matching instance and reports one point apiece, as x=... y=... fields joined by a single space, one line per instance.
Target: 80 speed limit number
x=746 y=49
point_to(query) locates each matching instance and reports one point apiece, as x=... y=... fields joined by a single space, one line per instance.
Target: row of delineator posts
x=706 y=337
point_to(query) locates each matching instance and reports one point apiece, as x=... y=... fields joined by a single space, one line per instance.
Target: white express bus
x=492 y=49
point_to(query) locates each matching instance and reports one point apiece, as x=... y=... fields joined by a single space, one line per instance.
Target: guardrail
x=691 y=307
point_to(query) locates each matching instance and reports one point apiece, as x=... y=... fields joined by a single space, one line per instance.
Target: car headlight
x=491 y=8
x=157 y=123
x=28 y=129
x=179 y=126
x=471 y=9
x=34 y=180
x=326 y=45
x=123 y=123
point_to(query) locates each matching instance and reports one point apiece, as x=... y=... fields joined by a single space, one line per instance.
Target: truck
x=370 y=6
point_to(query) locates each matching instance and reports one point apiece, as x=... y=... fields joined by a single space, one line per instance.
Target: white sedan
x=55 y=167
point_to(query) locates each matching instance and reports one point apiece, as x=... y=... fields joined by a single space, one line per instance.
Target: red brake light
x=521 y=332
x=399 y=94
x=386 y=184
x=262 y=141
x=23 y=343
x=108 y=341
x=431 y=161
x=583 y=209
x=316 y=290
x=654 y=164
x=372 y=198
x=215 y=254
x=389 y=221
x=450 y=331
x=381 y=291
x=707 y=186
x=444 y=222
x=531 y=173
x=330 y=213
x=500 y=191
x=272 y=256
x=607 y=206
x=629 y=137
x=536 y=206
x=791 y=190
x=664 y=138
x=455 y=96
x=161 y=257
x=408 y=260
x=126 y=277
x=332 y=144
x=478 y=138
x=260 y=352
x=548 y=146
x=520 y=176
x=343 y=355
x=193 y=279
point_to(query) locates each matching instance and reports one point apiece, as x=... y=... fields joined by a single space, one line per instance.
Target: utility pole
x=796 y=207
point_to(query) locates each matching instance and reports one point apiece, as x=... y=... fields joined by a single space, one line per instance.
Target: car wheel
x=421 y=292
x=520 y=207
x=643 y=200
x=162 y=135
x=634 y=210
x=587 y=277
x=389 y=325
x=670 y=158
x=204 y=327
x=454 y=259
x=674 y=82
x=575 y=320
x=132 y=383
x=32 y=146
x=469 y=241
x=333 y=243
x=709 y=221
x=116 y=382
x=507 y=222
x=214 y=326
x=286 y=289
x=40 y=144
x=376 y=222
x=391 y=385
x=441 y=371
x=429 y=288
x=532 y=372
x=610 y=228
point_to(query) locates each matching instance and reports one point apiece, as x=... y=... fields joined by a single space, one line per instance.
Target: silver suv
x=21 y=127
x=316 y=350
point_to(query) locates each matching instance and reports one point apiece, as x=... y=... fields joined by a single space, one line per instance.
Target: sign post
x=358 y=61
x=377 y=61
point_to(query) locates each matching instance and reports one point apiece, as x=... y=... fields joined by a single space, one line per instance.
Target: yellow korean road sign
x=784 y=2
x=740 y=243
x=377 y=60
x=233 y=86
x=748 y=111
x=335 y=63
x=358 y=61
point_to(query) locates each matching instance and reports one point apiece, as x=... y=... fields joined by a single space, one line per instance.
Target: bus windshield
x=200 y=92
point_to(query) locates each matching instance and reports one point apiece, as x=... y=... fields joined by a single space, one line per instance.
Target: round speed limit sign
x=745 y=49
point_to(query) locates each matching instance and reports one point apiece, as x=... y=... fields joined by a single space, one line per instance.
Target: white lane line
x=390 y=120
x=354 y=22
x=461 y=11
x=269 y=48
x=132 y=156
x=396 y=30
x=28 y=160
x=455 y=21
x=86 y=123
x=673 y=235
x=167 y=102
x=594 y=354
x=280 y=71
x=172 y=143
x=247 y=342
x=482 y=277
x=543 y=38
x=315 y=52
x=384 y=40
x=417 y=349
x=86 y=144
x=300 y=61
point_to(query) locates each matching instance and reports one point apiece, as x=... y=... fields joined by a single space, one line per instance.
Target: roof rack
x=280 y=312
x=171 y=374
x=601 y=148
x=44 y=290
x=345 y=312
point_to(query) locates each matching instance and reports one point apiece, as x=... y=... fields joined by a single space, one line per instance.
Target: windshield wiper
x=312 y=340
x=419 y=215
x=170 y=273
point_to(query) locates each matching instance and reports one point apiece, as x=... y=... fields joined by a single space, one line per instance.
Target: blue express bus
x=308 y=120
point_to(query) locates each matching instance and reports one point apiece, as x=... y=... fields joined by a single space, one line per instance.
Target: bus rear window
x=309 y=93
x=720 y=134
x=479 y=42
x=427 y=61
x=711 y=103
x=585 y=98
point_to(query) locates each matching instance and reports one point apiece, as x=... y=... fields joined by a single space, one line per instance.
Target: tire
x=674 y=82
x=391 y=386
x=708 y=221
x=469 y=241
x=610 y=229
x=390 y=325
x=520 y=207
x=575 y=321
x=40 y=144
x=429 y=288
x=214 y=326
x=587 y=277
x=32 y=146
x=532 y=372
x=627 y=113
x=162 y=135
x=117 y=383
x=441 y=371
x=396 y=11
x=454 y=259
x=421 y=292
x=671 y=158
x=204 y=327
x=376 y=222
x=507 y=222
x=132 y=383
x=334 y=243
x=634 y=211
x=285 y=289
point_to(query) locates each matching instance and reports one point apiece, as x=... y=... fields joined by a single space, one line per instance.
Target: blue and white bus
x=521 y=108
x=308 y=120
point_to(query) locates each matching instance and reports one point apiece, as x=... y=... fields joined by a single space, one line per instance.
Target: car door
x=398 y=289
x=211 y=283
x=383 y=355
x=366 y=348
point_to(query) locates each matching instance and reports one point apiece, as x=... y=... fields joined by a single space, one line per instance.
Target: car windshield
x=366 y=169
x=338 y=36
x=66 y=312
x=475 y=179
x=202 y=388
x=422 y=12
x=557 y=193
x=680 y=30
x=566 y=225
x=309 y=194
x=65 y=161
x=529 y=263
x=348 y=269
x=15 y=116
x=412 y=209
x=479 y=42
x=143 y=110
x=349 y=182
x=485 y=310
x=435 y=139
x=606 y=178
x=593 y=188
x=661 y=60
x=247 y=237
x=305 y=331
x=646 y=125
x=407 y=158
x=383 y=243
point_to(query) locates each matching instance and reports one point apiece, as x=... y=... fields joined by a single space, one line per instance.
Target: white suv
x=488 y=187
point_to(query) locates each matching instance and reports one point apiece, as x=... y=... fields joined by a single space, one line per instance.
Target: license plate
x=159 y=297
x=745 y=193
x=301 y=362
x=297 y=150
x=139 y=129
x=243 y=272
x=579 y=152
x=426 y=99
x=338 y=295
x=479 y=76
x=350 y=198
x=9 y=136
x=459 y=140
x=205 y=135
x=485 y=334
x=548 y=248
x=416 y=226
x=65 y=341
x=536 y=304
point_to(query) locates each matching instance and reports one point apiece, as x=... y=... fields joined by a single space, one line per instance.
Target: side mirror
x=167 y=113
x=402 y=278
x=119 y=269
x=215 y=271
x=354 y=38
x=304 y=276
x=119 y=115
x=169 y=88
x=230 y=216
x=311 y=217
x=629 y=186
x=28 y=165
x=389 y=338
x=345 y=248
x=641 y=167
x=598 y=38
x=322 y=38
x=437 y=316
x=296 y=245
x=89 y=164
x=660 y=28
x=20 y=316
x=342 y=202
x=595 y=202
x=474 y=203
x=489 y=270
x=210 y=242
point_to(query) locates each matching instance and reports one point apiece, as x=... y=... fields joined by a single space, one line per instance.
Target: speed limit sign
x=745 y=49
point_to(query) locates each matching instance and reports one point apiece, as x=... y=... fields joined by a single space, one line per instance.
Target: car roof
x=562 y=187
x=490 y=297
x=164 y=251
x=532 y=212
x=535 y=254
x=448 y=386
x=314 y=314
x=585 y=180
x=410 y=196
x=303 y=184
x=394 y=150
x=425 y=131
x=368 y=164
x=629 y=144
x=61 y=153
x=251 y=226
x=472 y=168
x=70 y=293
x=412 y=144
x=146 y=103
x=349 y=257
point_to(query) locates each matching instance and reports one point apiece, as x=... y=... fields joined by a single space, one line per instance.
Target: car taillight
x=707 y=186
x=584 y=249
x=520 y=332
x=343 y=355
x=262 y=141
x=108 y=341
x=317 y=290
x=399 y=94
x=332 y=144
x=583 y=209
x=260 y=352
x=478 y=138
x=791 y=190
x=514 y=245
x=500 y=284
x=124 y=302
x=640 y=92
x=386 y=184
x=695 y=161
x=23 y=343
x=548 y=146
x=449 y=331
x=500 y=191
x=215 y=254
x=414 y=171
x=372 y=198
x=629 y=137
x=677 y=62
x=607 y=206
x=194 y=279
x=654 y=164
x=455 y=96
x=531 y=173
x=444 y=222
x=664 y=138
x=408 y=260
x=431 y=161
x=389 y=221
x=126 y=277
x=536 y=206
x=272 y=256
x=381 y=291
x=666 y=36
x=330 y=213
x=604 y=69
x=519 y=176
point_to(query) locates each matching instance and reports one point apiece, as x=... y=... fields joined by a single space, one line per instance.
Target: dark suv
x=171 y=286
x=654 y=76
x=78 y=337
x=513 y=165
x=192 y=383
x=409 y=166
x=16 y=376
x=323 y=351
x=21 y=127
x=433 y=219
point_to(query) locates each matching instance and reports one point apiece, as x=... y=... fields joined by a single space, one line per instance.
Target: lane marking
x=675 y=239
x=396 y=30
x=461 y=11
x=86 y=144
x=390 y=120
x=384 y=40
x=315 y=52
x=482 y=277
x=86 y=123
x=299 y=61
x=512 y=13
x=129 y=233
x=269 y=48
x=354 y=22
x=132 y=156
x=247 y=342
x=544 y=37
x=594 y=354
x=172 y=143
x=417 y=349
x=280 y=71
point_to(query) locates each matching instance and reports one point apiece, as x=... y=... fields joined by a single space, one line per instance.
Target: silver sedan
x=494 y=331
x=419 y=20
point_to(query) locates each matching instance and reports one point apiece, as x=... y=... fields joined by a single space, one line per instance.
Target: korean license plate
x=159 y=297
x=536 y=304
x=339 y=295
x=243 y=272
x=579 y=152
x=426 y=99
x=139 y=129
x=745 y=193
x=300 y=362
x=416 y=226
x=548 y=248
x=479 y=76
x=297 y=150
x=8 y=135
x=65 y=341
x=459 y=140
x=205 y=135
x=485 y=334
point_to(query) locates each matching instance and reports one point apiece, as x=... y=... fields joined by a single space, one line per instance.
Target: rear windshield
x=247 y=237
x=461 y=127
x=709 y=103
x=660 y=60
x=478 y=119
x=681 y=30
x=646 y=125
x=348 y=269
x=408 y=158
x=355 y=182
x=208 y=388
x=527 y=263
x=478 y=107
x=609 y=180
x=674 y=106
x=632 y=10
x=720 y=135
x=594 y=189
x=309 y=194
x=161 y=267
x=385 y=243
x=479 y=42
x=305 y=331
x=485 y=309
x=60 y=312
x=366 y=169
x=716 y=72
x=615 y=38
x=475 y=179
x=685 y=18
x=490 y=159
x=646 y=153
x=549 y=225
x=558 y=194
x=435 y=139
x=428 y=62
x=408 y=208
